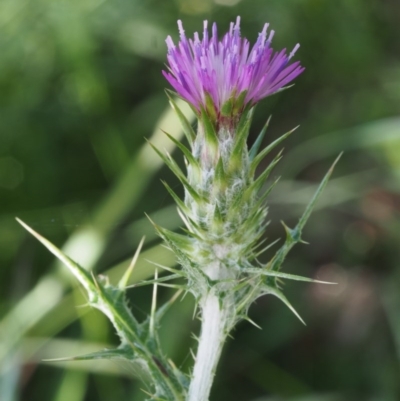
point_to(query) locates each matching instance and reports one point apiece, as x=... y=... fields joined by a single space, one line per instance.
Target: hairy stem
x=212 y=338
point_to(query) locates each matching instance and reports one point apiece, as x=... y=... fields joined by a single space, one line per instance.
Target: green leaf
x=240 y=143
x=277 y=293
x=176 y=198
x=258 y=158
x=218 y=216
x=103 y=297
x=317 y=194
x=186 y=126
x=187 y=153
x=167 y=305
x=227 y=108
x=220 y=177
x=179 y=174
x=118 y=353
x=81 y=274
x=125 y=278
x=210 y=134
x=260 y=202
x=270 y=273
x=156 y=281
x=169 y=162
x=293 y=236
x=239 y=102
x=256 y=145
x=261 y=251
x=256 y=186
x=178 y=242
x=210 y=108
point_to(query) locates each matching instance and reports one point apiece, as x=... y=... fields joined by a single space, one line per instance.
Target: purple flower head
x=226 y=74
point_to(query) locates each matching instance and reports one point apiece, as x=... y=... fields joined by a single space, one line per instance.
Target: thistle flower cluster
x=223 y=210
x=224 y=77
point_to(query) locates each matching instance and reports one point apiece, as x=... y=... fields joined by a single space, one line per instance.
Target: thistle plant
x=223 y=209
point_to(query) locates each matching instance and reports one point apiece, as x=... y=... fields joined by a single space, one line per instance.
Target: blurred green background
x=80 y=89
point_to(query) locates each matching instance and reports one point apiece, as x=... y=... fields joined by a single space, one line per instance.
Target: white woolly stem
x=212 y=338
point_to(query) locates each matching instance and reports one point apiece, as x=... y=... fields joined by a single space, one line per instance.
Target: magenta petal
x=218 y=68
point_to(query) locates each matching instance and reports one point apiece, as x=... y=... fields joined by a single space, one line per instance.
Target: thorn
x=176 y=286
x=86 y=305
x=95 y=280
x=147 y=393
x=175 y=297
x=252 y=322
x=335 y=162
x=193 y=355
x=125 y=278
x=27 y=228
x=194 y=311
x=185 y=221
x=173 y=366
x=169 y=269
x=184 y=295
x=58 y=359
x=151 y=221
x=153 y=305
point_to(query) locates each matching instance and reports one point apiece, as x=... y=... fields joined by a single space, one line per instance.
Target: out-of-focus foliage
x=80 y=88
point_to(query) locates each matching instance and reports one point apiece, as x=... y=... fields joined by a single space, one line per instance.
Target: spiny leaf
x=317 y=194
x=240 y=101
x=108 y=300
x=227 y=107
x=277 y=293
x=219 y=218
x=240 y=141
x=220 y=176
x=191 y=225
x=177 y=241
x=179 y=174
x=256 y=145
x=210 y=107
x=176 y=198
x=169 y=162
x=259 y=182
x=167 y=268
x=246 y=118
x=187 y=153
x=155 y=281
x=120 y=353
x=209 y=132
x=258 y=158
x=153 y=306
x=192 y=234
x=294 y=235
x=186 y=126
x=260 y=252
x=164 y=308
x=81 y=274
x=125 y=278
x=261 y=201
x=245 y=317
x=287 y=276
